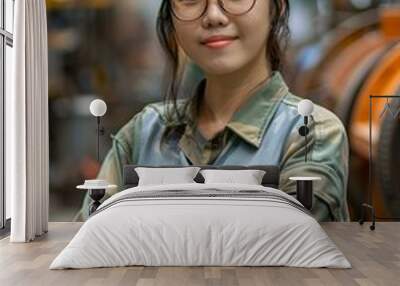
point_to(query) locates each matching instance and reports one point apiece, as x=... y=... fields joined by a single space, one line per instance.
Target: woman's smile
x=218 y=41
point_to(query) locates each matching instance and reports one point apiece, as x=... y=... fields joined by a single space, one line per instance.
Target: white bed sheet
x=191 y=231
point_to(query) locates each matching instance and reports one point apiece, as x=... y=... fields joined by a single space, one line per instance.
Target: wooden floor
x=375 y=257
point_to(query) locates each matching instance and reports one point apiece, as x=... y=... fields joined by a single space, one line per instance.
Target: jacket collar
x=252 y=119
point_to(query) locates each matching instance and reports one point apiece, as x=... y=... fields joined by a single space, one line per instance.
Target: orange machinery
x=362 y=58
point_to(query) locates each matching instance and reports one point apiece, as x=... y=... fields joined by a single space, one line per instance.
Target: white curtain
x=27 y=147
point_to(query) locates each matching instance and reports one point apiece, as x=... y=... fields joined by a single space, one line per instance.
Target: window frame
x=6 y=39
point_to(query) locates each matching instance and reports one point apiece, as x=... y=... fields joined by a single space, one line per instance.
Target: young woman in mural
x=241 y=112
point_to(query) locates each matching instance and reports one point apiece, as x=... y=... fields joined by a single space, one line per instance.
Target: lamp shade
x=305 y=107
x=98 y=107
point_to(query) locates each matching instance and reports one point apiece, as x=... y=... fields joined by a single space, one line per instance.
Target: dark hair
x=173 y=77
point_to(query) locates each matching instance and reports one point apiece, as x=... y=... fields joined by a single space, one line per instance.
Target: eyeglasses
x=191 y=10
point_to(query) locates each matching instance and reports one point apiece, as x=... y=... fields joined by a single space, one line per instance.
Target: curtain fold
x=27 y=140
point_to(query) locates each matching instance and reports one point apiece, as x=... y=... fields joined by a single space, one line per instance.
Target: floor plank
x=374 y=255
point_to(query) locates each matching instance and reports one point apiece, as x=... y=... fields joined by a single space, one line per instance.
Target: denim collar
x=251 y=120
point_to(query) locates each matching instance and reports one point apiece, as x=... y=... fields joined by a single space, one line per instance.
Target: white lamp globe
x=98 y=107
x=305 y=107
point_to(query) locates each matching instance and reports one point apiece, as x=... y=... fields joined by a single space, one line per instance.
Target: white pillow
x=162 y=176
x=248 y=177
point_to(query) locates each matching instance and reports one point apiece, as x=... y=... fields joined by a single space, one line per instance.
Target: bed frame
x=270 y=179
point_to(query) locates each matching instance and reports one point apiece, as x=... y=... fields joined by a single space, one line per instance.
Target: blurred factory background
x=340 y=53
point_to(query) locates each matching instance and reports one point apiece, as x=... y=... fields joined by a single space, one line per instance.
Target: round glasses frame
x=220 y=4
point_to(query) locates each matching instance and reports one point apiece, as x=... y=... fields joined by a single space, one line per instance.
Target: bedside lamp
x=304 y=188
x=305 y=109
x=98 y=108
x=97 y=188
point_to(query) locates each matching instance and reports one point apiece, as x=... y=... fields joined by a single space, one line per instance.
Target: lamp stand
x=100 y=132
x=303 y=131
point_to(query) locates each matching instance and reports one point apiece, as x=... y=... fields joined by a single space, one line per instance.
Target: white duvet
x=206 y=230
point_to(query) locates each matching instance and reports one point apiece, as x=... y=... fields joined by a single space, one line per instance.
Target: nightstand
x=97 y=190
x=304 y=190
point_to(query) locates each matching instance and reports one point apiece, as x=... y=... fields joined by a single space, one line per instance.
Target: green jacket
x=263 y=131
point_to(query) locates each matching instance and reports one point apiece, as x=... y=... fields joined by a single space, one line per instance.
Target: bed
x=201 y=224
